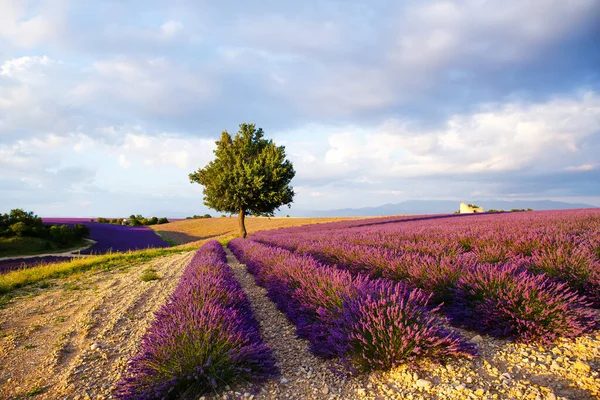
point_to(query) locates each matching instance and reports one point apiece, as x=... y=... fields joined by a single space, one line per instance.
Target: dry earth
x=72 y=340
x=196 y=231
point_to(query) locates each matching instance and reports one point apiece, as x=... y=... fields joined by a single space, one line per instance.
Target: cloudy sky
x=107 y=106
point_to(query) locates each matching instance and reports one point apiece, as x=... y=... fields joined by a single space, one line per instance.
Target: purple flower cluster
x=508 y=301
x=204 y=337
x=111 y=237
x=371 y=324
x=556 y=256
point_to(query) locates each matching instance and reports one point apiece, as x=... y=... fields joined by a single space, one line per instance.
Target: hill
x=445 y=207
x=199 y=230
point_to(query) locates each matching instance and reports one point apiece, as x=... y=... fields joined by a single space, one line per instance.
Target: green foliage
x=149 y=274
x=19 y=228
x=26 y=225
x=250 y=175
x=200 y=216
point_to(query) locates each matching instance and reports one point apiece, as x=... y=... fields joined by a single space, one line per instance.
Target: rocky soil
x=73 y=339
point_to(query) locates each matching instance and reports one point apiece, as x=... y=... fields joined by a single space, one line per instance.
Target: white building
x=469 y=208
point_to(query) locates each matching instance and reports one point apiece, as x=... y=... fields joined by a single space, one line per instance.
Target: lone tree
x=250 y=176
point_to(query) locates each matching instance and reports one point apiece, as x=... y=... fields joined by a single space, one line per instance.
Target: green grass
x=29 y=246
x=35 y=391
x=37 y=275
x=149 y=274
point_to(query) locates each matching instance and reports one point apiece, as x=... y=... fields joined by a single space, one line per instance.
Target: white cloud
x=582 y=167
x=26 y=30
x=498 y=138
x=432 y=34
x=171 y=29
x=123 y=162
x=155 y=85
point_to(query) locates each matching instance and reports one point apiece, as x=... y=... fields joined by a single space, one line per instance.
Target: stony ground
x=73 y=339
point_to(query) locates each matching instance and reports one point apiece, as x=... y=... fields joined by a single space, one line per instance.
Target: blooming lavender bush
x=205 y=336
x=340 y=313
x=389 y=324
x=507 y=301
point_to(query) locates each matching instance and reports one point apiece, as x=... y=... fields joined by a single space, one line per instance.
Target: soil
x=73 y=340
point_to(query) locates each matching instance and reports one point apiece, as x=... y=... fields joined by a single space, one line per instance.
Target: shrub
x=81 y=231
x=576 y=266
x=19 y=229
x=163 y=220
x=388 y=325
x=507 y=301
x=149 y=274
x=204 y=337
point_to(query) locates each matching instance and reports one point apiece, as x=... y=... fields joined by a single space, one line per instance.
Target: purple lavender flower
x=204 y=337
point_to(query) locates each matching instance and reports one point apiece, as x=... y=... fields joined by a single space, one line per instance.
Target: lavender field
x=529 y=277
x=111 y=237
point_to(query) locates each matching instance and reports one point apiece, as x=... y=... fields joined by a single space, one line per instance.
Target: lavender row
x=502 y=299
x=370 y=324
x=204 y=337
x=564 y=246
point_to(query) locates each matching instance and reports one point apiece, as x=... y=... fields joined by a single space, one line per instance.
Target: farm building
x=469 y=208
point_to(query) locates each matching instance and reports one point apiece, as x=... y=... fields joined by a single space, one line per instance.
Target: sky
x=107 y=106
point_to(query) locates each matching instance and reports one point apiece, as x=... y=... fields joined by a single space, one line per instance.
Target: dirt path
x=73 y=340
x=503 y=370
x=70 y=253
x=304 y=376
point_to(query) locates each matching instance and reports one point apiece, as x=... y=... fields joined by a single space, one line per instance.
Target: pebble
x=581 y=367
x=95 y=346
x=423 y=383
x=476 y=339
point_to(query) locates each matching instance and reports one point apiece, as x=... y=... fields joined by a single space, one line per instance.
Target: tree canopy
x=249 y=176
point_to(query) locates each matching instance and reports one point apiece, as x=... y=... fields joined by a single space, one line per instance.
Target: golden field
x=196 y=231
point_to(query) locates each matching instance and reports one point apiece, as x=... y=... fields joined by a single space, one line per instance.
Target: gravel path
x=303 y=375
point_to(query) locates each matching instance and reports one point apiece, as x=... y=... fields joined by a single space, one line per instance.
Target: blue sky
x=106 y=107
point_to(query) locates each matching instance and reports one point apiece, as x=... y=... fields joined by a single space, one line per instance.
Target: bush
x=19 y=229
x=204 y=337
x=507 y=301
x=388 y=325
x=163 y=220
x=81 y=231
x=574 y=265
x=149 y=274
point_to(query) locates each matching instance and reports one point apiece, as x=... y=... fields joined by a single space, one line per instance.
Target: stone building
x=469 y=208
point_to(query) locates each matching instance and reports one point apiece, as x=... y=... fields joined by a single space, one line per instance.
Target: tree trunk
x=241 y=219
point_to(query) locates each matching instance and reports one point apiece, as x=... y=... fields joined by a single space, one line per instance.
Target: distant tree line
x=19 y=223
x=133 y=220
x=199 y=216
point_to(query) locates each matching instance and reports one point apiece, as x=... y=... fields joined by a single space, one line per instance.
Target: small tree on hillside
x=249 y=176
